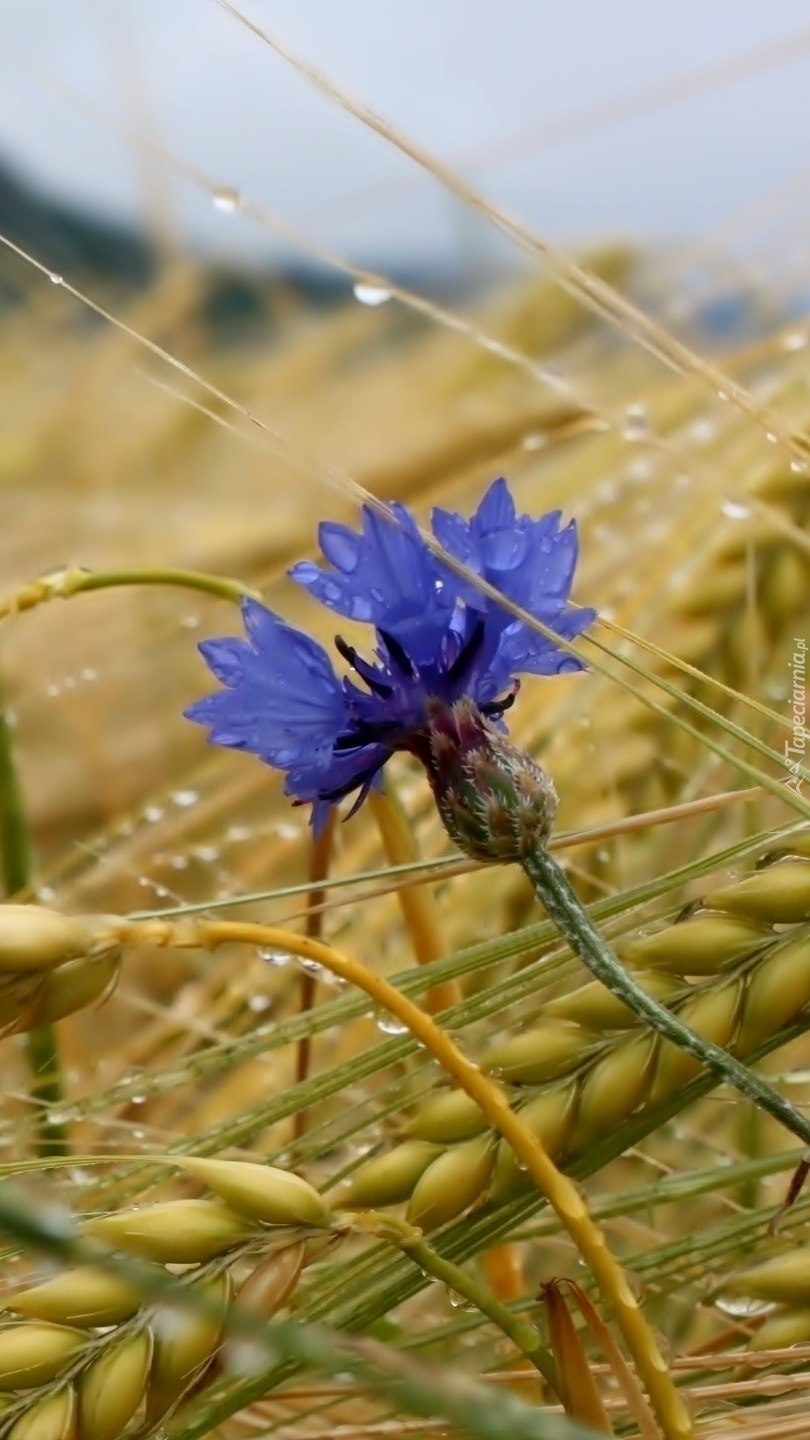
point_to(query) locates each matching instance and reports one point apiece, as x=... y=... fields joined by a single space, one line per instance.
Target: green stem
x=569 y=915
x=524 y=1336
x=17 y=864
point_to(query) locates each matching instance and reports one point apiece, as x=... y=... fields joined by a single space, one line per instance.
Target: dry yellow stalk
x=52 y=1418
x=83 y=1297
x=180 y=1232
x=113 y=1386
x=35 y=1352
x=452 y=1183
x=262 y=1193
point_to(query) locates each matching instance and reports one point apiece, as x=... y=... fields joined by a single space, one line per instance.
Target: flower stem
x=564 y=907
x=524 y=1336
x=17 y=863
x=561 y=1193
x=74 y=580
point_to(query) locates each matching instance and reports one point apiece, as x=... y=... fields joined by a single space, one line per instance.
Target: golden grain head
x=74 y=985
x=779 y=894
x=186 y=1337
x=713 y=1016
x=783 y=1329
x=179 y=1232
x=596 y=1009
x=543 y=1053
x=785 y=1278
x=34 y=938
x=446 y=1119
x=113 y=1386
x=51 y=1418
x=85 y=1296
x=35 y=1352
x=452 y=1183
x=390 y=1178
x=613 y=1088
x=776 y=992
x=262 y=1193
x=550 y=1118
x=702 y=945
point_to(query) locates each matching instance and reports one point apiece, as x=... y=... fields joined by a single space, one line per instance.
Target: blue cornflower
x=439 y=640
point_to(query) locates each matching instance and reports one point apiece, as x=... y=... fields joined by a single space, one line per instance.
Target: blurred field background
x=174 y=401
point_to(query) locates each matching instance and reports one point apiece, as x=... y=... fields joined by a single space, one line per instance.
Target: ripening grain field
x=331 y=1131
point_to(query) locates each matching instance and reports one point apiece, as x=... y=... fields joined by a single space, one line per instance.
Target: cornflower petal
x=440 y=640
x=386 y=576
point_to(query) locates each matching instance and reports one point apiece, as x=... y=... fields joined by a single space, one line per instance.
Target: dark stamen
x=367 y=732
x=346 y=650
x=362 y=668
x=399 y=656
x=497 y=707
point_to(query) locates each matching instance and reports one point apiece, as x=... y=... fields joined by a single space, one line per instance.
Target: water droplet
x=735 y=510
x=53 y=690
x=153 y=813
x=89 y=673
x=535 y=441
x=460 y=1302
x=278 y=958
x=236 y=833
x=246 y=1357
x=259 y=1003
x=702 y=431
x=740 y=1308
x=78 y=1175
x=636 y=422
x=771 y=438
x=286 y=830
x=190 y=622
x=640 y=470
x=63 y=1115
x=226 y=199
x=207 y=853
x=184 y=798
x=46 y=894
x=55 y=278
x=799 y=467
x=389 y=1024
x=795 y=340
x=178 y=862
x=371 y=294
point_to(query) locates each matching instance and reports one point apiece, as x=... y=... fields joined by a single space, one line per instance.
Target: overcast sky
x=516 y=93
